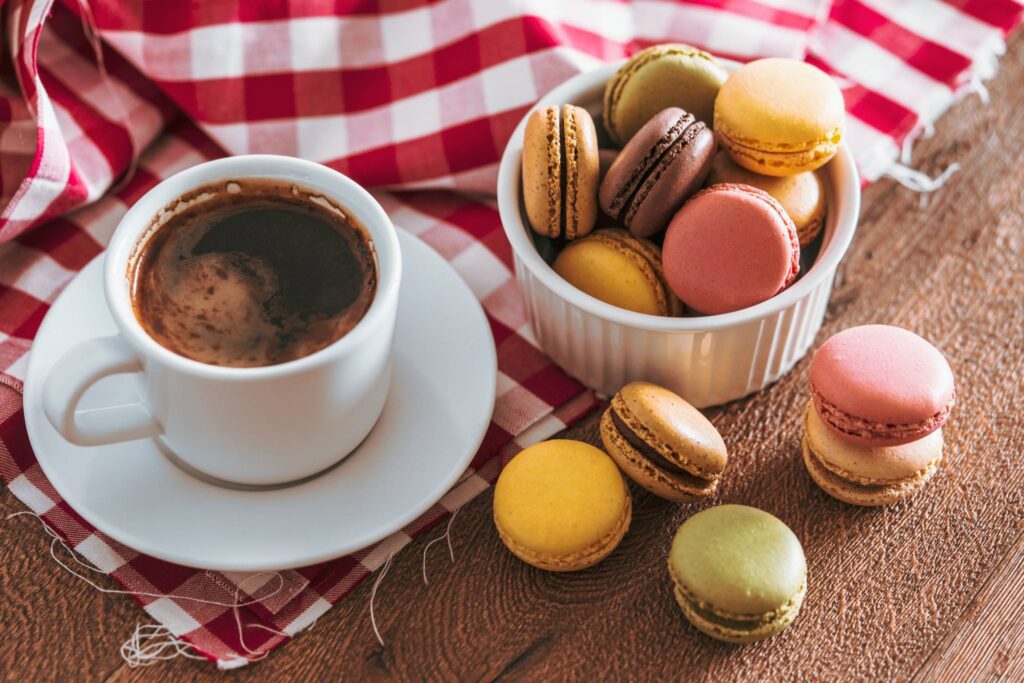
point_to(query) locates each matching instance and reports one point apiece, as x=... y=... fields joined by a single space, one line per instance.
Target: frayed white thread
x=446 y=536
x=152 y=643
x=918 y=181
x=906 y=152
x=977 y=86
x=373 y=594
x=138 y=648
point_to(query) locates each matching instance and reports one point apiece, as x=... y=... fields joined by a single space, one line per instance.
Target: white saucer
x=438 y=410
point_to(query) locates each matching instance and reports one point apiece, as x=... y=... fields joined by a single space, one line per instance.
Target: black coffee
x=253 y=273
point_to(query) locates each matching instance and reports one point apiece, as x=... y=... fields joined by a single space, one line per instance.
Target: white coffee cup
x=253 y=425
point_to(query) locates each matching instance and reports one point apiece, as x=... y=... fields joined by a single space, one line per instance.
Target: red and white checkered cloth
x=415 y=96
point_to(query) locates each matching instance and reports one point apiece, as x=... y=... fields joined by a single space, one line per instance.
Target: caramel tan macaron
x=662 y=76
x=663 y=443
x=619 y=269
x=561 y=505
x=867 y=475
x=801 y=195
x=560 y=171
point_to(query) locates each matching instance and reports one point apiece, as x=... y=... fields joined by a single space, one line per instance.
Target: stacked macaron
x=873 y=428
x=728 y=246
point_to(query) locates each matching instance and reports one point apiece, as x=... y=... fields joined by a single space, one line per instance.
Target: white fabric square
x=308 y=616
x=416 y=116
x=380 y=552
x=407 y=34
x=509 y=85
x=30 y=495
x=218 y=51
x=322 y=138
x=315 y=43
x=170 y=614
x=481 y=269
x=96 y=550
x=493 y=12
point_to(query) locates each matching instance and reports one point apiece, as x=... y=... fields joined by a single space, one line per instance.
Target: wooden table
x=928 y=589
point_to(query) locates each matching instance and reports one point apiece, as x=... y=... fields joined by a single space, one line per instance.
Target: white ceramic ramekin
x=708 y=360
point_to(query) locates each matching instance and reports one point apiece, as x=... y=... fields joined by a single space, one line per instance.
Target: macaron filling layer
x=641 y=443
x=568 y=187
x=626 y=203
x=779 y=617
x=855 y=427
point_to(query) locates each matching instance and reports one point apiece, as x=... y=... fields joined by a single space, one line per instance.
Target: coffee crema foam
x=252 y=272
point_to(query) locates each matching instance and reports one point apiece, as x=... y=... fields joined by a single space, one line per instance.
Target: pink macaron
x=880 y=385
x=731 y=246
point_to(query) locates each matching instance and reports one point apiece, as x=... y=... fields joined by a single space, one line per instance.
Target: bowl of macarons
x=679 y=219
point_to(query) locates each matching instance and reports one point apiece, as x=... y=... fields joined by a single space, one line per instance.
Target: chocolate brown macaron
x=663 y=443
x=560 y=171
x=657 y=170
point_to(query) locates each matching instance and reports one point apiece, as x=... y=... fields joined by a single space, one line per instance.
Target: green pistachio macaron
x=739 y=573
x=662 y=76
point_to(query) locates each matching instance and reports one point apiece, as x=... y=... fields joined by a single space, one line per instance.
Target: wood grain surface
x=929 y=589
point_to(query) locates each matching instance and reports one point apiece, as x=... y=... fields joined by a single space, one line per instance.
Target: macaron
x=739 y=573
x=662 y=165
x=780 y=116
x=663 y=443
x=802 y=195
x=879 y=385
x=867 y=475
x=560 y=171
x=619 y=269
x=561 y=505
x=662 y=76
x=729 y=247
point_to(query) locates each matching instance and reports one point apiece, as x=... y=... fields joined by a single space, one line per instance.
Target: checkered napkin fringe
x=415 y=98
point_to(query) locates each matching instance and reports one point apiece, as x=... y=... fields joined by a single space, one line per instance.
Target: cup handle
x=78 y=369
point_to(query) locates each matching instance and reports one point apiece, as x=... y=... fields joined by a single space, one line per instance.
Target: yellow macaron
x=561 y=505
x=619 y=269
x=802 y=195
x=780 y=116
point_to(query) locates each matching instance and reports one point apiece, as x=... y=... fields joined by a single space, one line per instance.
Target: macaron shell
x=738 y=561
x=542 y=171
x=866 y=464
x=780 y=116
x=675 y=488
x=561 y=505
x=881 y=385
x=681 y=173
x=677 y=430
x=801 y=195
x=662 y=76
x=730 y=247
x=620 y=270
x=582 y=171
x=867 y=495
